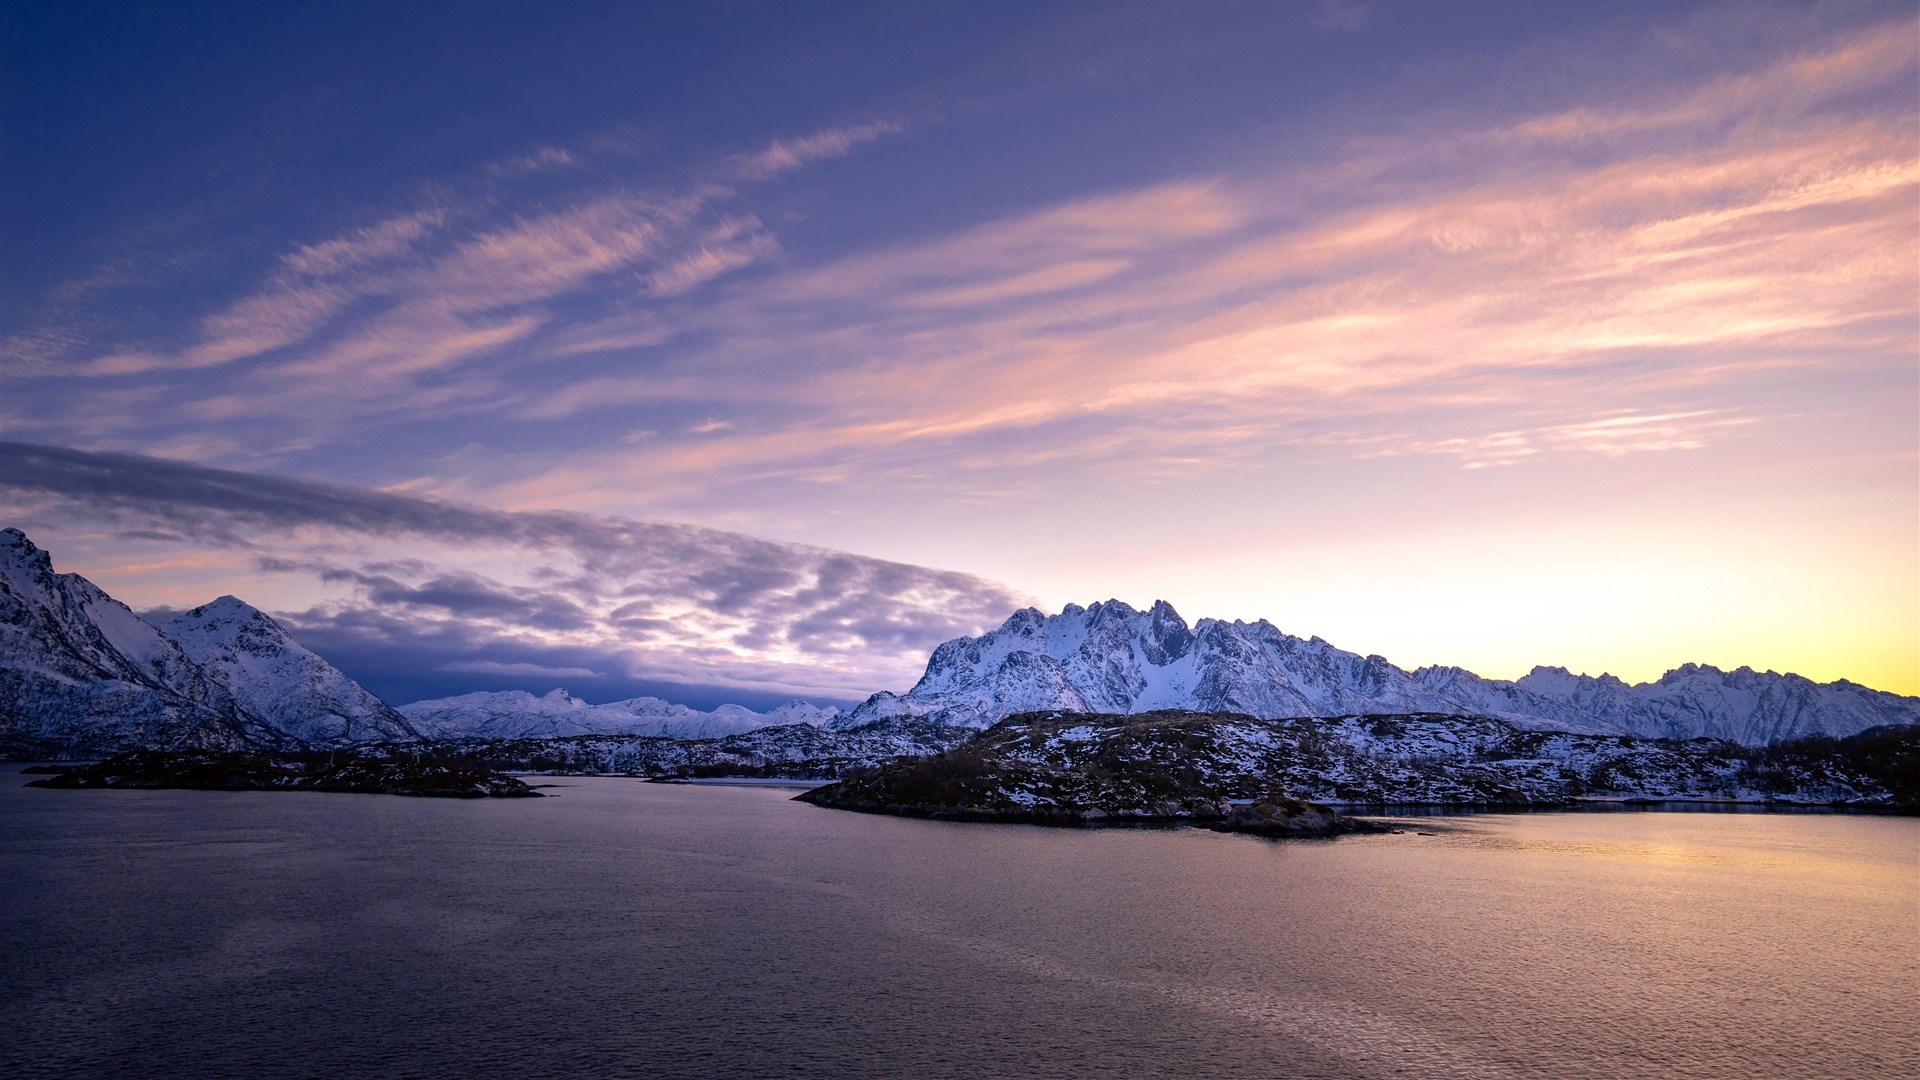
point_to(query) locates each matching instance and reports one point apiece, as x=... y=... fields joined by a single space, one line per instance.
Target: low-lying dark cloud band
x=662 y=591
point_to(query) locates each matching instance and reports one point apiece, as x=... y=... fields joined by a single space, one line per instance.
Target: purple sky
x=746 y=352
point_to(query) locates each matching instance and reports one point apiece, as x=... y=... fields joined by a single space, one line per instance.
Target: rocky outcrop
x=798 y=751
x=970 y=785
x=964 y=785
x=1174 y=764
x=210 y=771
x=1282 y=817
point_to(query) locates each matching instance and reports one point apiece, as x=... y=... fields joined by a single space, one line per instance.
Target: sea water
x=631 y=929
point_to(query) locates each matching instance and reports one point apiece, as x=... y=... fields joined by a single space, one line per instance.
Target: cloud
x=673 y=602
x=1656 y=263
x=786 y=155
x=493 y=667
x=543 y=160
x=1736 y=224
x=1611 y=436
x=402 y=656
x=734 y=243
x=468 y=595
x=1342 y=14
x=388 y=239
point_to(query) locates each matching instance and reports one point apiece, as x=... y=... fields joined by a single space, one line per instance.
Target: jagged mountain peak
x=15 y=546
x=1025 y=617
x=24 y=564
x=1111 y=657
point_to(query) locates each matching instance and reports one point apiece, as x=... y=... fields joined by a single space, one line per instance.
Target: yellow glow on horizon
x=1627 y=604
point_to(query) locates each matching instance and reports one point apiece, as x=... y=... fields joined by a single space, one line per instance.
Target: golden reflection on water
x=1704 y=840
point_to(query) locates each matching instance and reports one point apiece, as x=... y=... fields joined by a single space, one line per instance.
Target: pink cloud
x=1724 y=255
x=786 y=155
x=385 y=240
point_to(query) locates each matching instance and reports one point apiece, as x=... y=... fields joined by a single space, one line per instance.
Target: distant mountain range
x=82 y=675
x=516 y=714
x=1110 y=658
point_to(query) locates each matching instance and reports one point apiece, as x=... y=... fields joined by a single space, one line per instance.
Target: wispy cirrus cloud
x=378 y=313
x=733 y=243
x=1654 y=266
x=786 y=155
x=383 y=240
x=544 y=159
x=1759 y=221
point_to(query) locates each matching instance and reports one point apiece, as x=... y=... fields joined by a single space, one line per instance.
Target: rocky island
x=215 y=771
x=981 y=782
x=1242 y=773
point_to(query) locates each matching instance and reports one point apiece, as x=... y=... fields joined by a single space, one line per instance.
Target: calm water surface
x=628 y=929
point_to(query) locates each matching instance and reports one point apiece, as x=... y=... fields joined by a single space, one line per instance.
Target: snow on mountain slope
x=517 y=714
x=1112 y=658
x=81 y=674
x=1746 y=706
x=277 y=679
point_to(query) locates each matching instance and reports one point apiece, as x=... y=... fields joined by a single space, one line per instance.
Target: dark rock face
x=966 y=786
x=1168 y=638
x=1291 y=817
x=214 y=771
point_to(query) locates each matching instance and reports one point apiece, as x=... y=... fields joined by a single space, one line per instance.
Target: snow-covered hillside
x=1111 y=658
x=279 y=680
x=517 y=714
x=81 y=674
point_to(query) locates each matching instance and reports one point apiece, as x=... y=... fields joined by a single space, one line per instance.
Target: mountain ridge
x=519 y=714
x=81 y=674
x=1111 y=658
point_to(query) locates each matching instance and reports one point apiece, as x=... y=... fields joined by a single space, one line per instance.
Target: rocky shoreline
x=1276 y=778
x=960 y=786
x=210 y=771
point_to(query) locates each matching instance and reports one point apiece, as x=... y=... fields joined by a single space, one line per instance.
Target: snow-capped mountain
x=517 y=714
x=81 y=674
x=1110 y=658
x=277 y=679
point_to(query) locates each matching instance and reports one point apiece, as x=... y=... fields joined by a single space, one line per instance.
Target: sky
x=744 y=352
